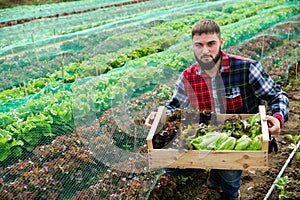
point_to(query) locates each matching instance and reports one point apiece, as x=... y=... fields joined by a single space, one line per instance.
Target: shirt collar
x=225 y=67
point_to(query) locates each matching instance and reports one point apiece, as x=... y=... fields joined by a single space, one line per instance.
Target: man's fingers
x=274 y=125
x=274 y=130
x=150 y=119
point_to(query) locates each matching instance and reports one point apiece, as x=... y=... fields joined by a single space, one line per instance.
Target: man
x=225 y=83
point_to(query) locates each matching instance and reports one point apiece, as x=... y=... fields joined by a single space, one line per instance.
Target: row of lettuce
x=43 y=10
x=43 y=22
x=59 y=108
x=36 y=52
x=38 y=58
x=116 y=50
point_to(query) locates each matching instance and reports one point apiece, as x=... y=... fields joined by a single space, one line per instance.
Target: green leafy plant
x=36 y=2
x=281 y=185
x=127 y=147
x=293 y=145
x=182 y=180
x=183 y=196
x=295 y=139
x=236 y=133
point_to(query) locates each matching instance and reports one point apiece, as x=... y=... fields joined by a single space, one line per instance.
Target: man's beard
x=210 y=64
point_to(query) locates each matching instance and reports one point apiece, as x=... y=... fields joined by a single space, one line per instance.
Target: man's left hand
x=274 y=125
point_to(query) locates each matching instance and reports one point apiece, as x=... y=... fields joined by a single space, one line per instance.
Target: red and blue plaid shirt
x=240 y=88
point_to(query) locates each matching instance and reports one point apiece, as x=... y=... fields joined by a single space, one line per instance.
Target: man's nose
x=205 y=49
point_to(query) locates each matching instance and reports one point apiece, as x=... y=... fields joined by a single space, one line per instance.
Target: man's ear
x=221 y=42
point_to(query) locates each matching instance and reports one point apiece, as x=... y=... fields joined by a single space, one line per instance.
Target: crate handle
x=264 y=127
x=159 y=120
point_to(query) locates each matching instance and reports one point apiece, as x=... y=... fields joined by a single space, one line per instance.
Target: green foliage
x=182 y=180
x=28 y=126
x=281 y=185
x=27 y=88
x=165 y=93
x=36 y=2
x=183 y=196
x=256 y=143
x=163 y=32
x=235 y=134
x=238 y=127
x=293 y=145
x=229 y=144
x=294 y=138
x=243 y=143
x=236 y=6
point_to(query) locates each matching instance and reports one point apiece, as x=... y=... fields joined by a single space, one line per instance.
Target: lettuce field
x=78 y=79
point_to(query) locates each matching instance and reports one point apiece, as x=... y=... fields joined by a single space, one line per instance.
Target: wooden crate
x=207 y=159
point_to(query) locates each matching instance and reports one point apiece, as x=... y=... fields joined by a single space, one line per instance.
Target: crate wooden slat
x=157 y=125
x=171 y=158
x=216 y=159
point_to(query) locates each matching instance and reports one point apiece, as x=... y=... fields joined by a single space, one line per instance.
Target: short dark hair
x=206 y=26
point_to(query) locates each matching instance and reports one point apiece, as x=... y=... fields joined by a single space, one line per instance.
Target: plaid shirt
x=243 y=85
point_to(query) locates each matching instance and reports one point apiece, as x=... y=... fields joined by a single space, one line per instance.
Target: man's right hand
x=150 y=119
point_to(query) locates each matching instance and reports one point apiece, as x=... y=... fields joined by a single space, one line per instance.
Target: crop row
x=268 y=47
x=113 y=52
x=41 y=28
x=39 y=57
x=21 y=12
x=120 y=51
x=35 y=60
x=65 y=166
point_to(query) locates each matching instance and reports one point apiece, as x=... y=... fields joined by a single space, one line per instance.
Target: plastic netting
x=22 y=12
x=46 y=44
x=76 y=88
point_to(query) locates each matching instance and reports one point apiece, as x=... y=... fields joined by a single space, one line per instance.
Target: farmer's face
x=207 y=49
